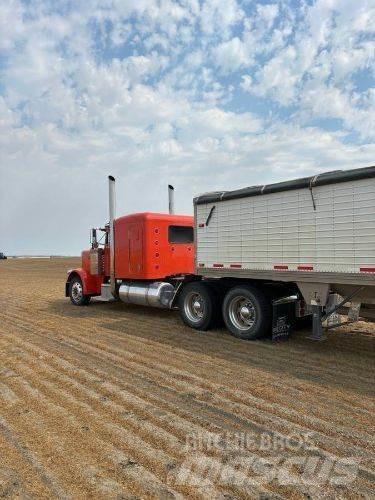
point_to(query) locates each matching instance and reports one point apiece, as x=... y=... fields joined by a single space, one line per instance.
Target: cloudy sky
x=203 y=94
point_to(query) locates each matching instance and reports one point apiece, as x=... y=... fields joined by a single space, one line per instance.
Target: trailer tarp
x=323 y=179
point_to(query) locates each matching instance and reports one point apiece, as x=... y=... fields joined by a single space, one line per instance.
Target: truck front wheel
x=198 y=306
x=76 y=294
x=247 y=312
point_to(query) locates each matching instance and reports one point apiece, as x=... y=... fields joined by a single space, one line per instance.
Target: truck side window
x=180 y=234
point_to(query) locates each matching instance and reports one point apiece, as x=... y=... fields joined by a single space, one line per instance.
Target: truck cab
x=148 y=247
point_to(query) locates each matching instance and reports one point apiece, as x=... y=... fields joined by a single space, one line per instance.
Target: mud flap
x=283 y=318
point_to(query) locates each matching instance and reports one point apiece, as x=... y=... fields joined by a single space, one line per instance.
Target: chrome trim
x=156 y=294
x=77 y=291
x=194 y=306
x=242 y=313
x=334 y=278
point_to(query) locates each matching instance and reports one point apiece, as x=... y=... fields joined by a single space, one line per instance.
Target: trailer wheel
x=247 y=312
x=76 y=294
x=198 y=306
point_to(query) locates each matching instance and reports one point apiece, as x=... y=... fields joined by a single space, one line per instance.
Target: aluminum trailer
x=317 y=233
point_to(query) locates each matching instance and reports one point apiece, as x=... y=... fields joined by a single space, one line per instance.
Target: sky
x=203 y=94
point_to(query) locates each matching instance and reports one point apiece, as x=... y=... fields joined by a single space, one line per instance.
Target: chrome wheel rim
x=77 y=291
x=194 y=307
x=242 y=313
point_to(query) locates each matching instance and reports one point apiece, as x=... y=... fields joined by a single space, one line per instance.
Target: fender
x=91 y=284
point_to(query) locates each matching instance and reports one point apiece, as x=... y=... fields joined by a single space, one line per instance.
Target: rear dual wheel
x=199 y=306
x=247 y=312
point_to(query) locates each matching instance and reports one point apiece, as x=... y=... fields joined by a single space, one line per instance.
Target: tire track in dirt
x=203 y=381
x=351 y=402
x=222 y=402
x=144 y=381
x=268 y=350
x=46 y=478
x=287 y=494
x=225 y=340
x=176 y=352
x=289 y=429
x=80 y=450
x=129 y=441
x=146 y=356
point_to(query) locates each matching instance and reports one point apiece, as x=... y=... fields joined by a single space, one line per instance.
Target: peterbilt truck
x=243 y=256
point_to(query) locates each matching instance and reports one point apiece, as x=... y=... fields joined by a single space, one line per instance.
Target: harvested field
x=119 y=401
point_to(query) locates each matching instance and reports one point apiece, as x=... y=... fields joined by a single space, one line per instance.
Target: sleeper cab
x=150 y=246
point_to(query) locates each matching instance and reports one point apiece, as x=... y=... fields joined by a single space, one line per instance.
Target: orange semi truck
x=256 y=258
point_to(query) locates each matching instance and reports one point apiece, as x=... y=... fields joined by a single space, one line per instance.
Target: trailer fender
x=179 y=285
x=91 y=284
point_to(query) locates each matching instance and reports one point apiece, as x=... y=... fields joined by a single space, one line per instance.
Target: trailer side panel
x=326 y=229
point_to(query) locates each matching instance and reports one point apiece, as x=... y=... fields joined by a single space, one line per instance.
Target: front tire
x=198 y=306
x=76 y=294
x=247 y=312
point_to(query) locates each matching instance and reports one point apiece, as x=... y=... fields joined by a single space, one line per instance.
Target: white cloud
x=231 y=55
x=246 y=83
x=268 y=13
x=316 y=69
x=218 y=17
x=147 y=91
x=278 y=77
x=11 y=25
x=346 y=61
x=327 y=101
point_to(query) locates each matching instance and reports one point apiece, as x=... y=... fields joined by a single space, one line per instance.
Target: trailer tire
x=76 y=294
x=199 y=306
x=247 y=312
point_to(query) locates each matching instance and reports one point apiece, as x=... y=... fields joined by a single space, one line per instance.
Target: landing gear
x=317 y=327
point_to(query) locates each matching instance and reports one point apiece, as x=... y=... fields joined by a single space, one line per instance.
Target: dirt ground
x=119 y=401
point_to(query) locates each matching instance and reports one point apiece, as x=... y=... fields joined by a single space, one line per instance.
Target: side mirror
x=94 y=241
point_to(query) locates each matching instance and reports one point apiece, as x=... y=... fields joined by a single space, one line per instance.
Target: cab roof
x=155 y=216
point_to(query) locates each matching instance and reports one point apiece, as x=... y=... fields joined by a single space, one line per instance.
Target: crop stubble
x=99 y=401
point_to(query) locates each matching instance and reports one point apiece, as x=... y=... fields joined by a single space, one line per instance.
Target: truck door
x=135 y=248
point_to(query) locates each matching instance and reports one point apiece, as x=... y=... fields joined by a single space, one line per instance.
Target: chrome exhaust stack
x=112 y=213
x=171 y=199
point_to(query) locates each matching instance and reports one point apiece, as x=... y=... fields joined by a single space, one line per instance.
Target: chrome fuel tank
x=156 y=294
